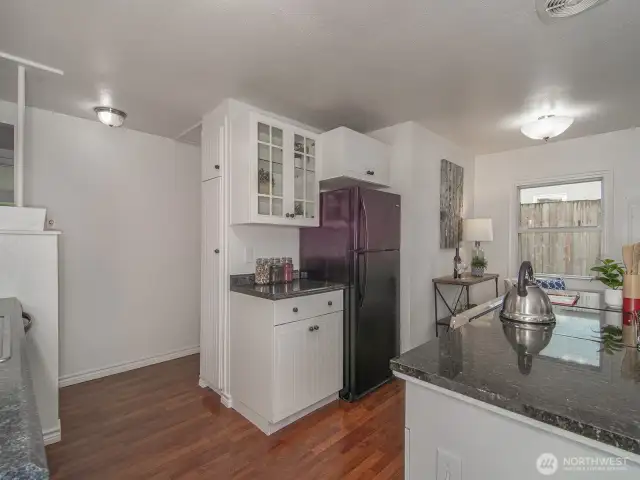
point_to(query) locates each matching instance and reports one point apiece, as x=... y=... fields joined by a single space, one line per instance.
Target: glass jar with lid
x=262 y=271
x=276 y=271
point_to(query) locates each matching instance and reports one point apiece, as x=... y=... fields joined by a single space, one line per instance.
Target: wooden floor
x=156 y=422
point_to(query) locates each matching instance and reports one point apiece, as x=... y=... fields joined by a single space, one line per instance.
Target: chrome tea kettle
x=527 y=302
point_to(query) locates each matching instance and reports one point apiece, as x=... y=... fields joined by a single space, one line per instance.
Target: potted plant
x=478 y=266
x=611 y=274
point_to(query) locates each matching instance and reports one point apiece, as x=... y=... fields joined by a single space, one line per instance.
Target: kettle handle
x=525 y=269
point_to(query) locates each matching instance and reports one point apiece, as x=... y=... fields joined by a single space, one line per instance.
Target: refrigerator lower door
x=372 y=321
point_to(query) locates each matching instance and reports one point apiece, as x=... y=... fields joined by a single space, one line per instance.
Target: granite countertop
x=573 y=383
x=298 y=288
x=22 y=453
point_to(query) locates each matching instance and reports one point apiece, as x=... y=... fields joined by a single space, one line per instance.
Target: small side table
x=464 y=282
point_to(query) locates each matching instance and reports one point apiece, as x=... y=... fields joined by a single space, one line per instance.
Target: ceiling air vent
x=553 y=9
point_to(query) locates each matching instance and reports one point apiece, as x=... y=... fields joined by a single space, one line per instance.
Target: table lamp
x=477 y=230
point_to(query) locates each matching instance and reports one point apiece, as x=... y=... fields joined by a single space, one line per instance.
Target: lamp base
x=478 y=252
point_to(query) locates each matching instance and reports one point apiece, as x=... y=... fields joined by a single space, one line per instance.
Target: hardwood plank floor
x=157 y=423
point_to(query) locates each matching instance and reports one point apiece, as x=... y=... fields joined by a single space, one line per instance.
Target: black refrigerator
x=358 y=244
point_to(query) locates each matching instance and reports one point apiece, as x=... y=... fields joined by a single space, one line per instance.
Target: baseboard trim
x=269 y=428
x=53 y=435
x=225 y=400
x=88 y=375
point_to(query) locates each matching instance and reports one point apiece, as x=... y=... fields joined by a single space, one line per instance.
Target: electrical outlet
x=449 y=466
x=248 y=255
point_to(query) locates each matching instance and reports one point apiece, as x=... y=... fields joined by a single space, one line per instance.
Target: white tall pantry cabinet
x=257 y=168
x=214 y=325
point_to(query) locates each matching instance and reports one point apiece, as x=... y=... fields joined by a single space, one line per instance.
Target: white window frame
x=514 y=214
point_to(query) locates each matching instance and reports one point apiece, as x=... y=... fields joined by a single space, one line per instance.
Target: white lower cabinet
x=307 y=363
x=280 y=372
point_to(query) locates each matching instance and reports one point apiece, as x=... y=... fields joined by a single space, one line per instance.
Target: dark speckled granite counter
x=572 y=383
x=298 y=288
x=22 y=454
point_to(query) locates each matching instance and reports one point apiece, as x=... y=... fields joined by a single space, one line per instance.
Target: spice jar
x=276 y=271
x=288 y=270
x=262 y=271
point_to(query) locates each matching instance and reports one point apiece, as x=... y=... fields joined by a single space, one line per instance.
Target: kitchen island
x=477 y=407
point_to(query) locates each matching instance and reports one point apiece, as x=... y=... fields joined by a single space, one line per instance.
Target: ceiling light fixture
x=546 y=127
x=558 y=9
x=110 y=116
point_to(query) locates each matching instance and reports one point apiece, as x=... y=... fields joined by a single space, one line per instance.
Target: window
x=560 y=226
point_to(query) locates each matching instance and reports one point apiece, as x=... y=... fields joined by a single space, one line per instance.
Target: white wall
x=615 y=154
x=261 y=241
x=128 y=205
x=415 y=175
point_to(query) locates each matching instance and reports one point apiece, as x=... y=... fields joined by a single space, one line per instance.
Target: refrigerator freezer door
x=374 y=323
x=325 y=252
x=379 y=220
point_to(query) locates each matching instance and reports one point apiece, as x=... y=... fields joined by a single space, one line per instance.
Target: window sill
x=570 y=277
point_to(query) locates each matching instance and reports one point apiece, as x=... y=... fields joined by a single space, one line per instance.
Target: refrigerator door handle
x=363 y=208
x=363 y=282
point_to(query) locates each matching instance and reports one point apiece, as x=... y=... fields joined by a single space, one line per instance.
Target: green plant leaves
x=610 y=273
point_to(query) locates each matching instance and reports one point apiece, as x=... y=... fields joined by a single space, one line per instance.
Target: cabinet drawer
x=301 y=308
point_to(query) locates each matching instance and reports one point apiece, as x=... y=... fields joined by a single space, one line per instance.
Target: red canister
x=630 y=298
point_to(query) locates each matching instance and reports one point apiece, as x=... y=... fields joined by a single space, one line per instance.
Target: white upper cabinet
x=213 y=150
x=275 y=172
x=348 y=154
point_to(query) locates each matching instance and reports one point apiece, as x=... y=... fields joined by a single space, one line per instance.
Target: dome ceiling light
x=558 y=9
x=110 y=116
x=546 y=127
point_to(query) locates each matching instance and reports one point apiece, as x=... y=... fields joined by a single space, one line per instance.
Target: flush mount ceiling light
x=110 y=116
x=546 y=127
x=556 y=9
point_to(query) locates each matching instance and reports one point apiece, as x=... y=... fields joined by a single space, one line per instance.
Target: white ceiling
x=470 y=70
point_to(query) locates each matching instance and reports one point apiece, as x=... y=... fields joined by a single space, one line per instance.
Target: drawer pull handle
x=311 y=329
x=330 y=303
x=217 y=167
x=316 y=327
x=295 y=309
x=217 y=250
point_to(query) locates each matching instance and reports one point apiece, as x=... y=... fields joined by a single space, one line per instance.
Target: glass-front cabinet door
x=305 y=184
x=270 y=178
x=285 y=190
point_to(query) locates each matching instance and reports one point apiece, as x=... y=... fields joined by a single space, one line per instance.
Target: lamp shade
x=477 y=230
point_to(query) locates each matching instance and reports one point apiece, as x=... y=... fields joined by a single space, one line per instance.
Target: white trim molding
x=225 y=399
x=269 y=428
x=53 y=435
x=87 y=375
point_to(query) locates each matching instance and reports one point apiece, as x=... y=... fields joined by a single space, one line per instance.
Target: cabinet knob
x=330 y=303
x=217 y=250
x=293 y=215
x=295 y=309
x=311 y=329
x=316 y=327
x=217 y=167
x=370 y=172
x=287 y=215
